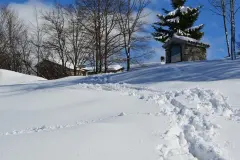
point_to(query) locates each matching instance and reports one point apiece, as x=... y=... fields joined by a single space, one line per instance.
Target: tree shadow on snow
x=185 y=72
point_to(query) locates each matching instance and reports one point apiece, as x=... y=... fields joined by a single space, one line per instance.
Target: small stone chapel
x=180 y=48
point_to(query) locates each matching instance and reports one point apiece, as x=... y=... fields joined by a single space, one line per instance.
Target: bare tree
x=37 y=39
x=101 y=24
x=228 y=10
x=92 y=13
x=113 y=43
x=77 y=39
x=25 y=49
x=114 y=26
x=56 y=34
x=220 y=7
x=131 y=13
x=3 y=56
x=14 y=34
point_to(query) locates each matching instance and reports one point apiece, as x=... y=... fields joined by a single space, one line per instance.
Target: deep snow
x=9 y=77
x=167 y=112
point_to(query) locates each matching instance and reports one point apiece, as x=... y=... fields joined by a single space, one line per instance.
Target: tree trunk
x=99 y=37
x=105 y=63
x=105 y=60
x=38 y=58
x=63 y=68
x=75 y=70
x=128 y=59
x=96 y=70
x=128 y=63
x=100 y=60
x=106 y=43
x=96 y=38
x=225 y=26
x=233 y=40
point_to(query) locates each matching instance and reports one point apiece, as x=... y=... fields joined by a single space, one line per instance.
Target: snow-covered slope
x=186 y=72
x=184 y=111
x=9 y=77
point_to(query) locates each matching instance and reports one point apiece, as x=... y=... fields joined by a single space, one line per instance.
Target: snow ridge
x=191 y=129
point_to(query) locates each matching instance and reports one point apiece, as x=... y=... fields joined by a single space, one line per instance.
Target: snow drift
x=9 y=77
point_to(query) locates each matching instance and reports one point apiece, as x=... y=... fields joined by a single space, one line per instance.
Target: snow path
x=45 y=128
x=190 y=111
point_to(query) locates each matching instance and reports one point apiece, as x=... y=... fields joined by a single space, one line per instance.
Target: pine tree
x=180 y=21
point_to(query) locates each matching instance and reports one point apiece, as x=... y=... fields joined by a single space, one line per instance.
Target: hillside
x=184 y=111
x=186 y=71
x=9 y=77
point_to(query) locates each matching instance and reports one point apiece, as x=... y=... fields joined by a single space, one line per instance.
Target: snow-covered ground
x=184 y=111
x=9 y=77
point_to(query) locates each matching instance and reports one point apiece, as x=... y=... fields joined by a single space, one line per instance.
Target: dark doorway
x=176 y=53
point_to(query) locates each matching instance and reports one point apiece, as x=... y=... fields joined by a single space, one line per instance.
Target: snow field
x=76 y=123
x=191 y=132
x=162 y=112
x=9 y=77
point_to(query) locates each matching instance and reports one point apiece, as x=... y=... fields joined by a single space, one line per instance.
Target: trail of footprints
x=191 y=130
x=45 y=128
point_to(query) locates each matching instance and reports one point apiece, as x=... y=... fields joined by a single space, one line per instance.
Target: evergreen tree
x=180 y=21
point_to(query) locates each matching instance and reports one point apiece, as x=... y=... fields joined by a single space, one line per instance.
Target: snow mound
x=191 y=131
x=9 y=77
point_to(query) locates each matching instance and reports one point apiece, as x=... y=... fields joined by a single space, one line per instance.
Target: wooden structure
x=52 y=70
x=180 y=48
x=5 y=61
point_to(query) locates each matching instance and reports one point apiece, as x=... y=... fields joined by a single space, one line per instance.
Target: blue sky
x=214 y=31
